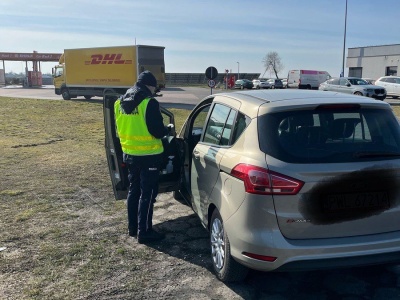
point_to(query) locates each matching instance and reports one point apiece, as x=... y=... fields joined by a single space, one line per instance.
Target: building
x=374 y=61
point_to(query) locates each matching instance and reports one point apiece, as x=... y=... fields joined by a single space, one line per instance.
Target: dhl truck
x=90 y=72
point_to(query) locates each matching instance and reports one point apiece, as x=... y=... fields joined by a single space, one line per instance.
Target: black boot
x=132 y=232
x=149 y=236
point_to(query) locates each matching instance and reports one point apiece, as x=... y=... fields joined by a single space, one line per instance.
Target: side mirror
x=348 y=84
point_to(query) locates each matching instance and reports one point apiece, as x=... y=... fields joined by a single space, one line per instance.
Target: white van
x=306 y=79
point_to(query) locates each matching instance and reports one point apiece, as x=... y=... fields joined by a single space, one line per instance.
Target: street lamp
x=344 y=40
x=238 y=69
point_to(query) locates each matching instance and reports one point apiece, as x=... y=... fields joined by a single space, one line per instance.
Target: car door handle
x=196 y=154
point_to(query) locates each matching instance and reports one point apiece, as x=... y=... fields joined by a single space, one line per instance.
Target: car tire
x=226 y=268
x=272 y=87
x=358 y=94
x=242 y=87
x=258 y=87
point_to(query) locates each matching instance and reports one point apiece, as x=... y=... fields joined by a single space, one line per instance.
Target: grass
x=63 y=231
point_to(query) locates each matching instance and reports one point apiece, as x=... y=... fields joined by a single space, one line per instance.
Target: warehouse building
x=374 y=61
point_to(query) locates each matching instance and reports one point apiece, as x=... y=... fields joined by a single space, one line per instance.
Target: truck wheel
x=65 y=94
x=308 y=87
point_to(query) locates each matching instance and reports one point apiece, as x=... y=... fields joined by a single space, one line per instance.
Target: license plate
x=356 y=201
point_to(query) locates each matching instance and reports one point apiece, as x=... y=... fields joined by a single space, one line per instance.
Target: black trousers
x=143 y=190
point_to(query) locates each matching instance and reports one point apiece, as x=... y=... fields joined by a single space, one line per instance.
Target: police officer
x=140 y=129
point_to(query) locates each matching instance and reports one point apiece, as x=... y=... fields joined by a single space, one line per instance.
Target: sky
x=234 y=35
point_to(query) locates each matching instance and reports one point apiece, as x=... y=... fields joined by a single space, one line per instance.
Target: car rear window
x=330 y=135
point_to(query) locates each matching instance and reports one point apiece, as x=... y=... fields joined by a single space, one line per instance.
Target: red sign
x=29 y=56
x=113 y=58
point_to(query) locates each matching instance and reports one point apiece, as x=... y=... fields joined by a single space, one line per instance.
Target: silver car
x=260 y=84
x=275 y=83
x=284 y=179
x=353 y=85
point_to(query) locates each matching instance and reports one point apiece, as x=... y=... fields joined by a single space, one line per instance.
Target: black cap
x=147 y=78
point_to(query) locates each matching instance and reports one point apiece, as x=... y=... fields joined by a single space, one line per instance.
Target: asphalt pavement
x=178 y=97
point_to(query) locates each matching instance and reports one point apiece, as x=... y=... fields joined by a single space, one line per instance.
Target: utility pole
x=344 y=40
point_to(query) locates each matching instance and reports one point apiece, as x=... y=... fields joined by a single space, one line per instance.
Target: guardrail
x=200 y=78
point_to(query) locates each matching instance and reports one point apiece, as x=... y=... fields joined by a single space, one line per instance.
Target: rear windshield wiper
x=376 y=154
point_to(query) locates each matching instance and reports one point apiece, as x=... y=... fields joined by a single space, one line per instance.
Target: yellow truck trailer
x=93 y=72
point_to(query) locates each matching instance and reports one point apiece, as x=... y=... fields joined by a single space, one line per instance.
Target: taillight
x=260 y=257
x=262 y=181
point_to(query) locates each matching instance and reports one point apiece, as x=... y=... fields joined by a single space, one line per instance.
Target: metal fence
x=174 y=79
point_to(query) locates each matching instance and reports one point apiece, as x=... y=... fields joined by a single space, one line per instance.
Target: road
x=179 y=97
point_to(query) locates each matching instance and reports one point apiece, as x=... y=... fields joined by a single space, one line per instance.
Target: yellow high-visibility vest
x=132 y=130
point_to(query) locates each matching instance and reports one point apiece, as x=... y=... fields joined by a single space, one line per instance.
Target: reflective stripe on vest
x=133 y=134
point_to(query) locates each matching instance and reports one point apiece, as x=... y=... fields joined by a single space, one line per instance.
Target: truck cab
x=58 y=78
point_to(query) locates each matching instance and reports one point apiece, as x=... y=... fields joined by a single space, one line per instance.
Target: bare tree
x=272 y=61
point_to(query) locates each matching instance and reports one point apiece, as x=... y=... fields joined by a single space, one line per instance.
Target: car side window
x=240 y=125
x=226 y=133
x=334 y=81
x=219 y=126
x=391 y=80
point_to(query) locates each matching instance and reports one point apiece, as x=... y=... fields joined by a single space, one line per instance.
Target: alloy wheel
x=218 y=244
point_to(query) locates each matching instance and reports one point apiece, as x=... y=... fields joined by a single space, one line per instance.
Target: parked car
x=284 y=82
x=353 y=85
x=391 y=84
x=275 y=83
x=283 y=179
x=260 y=84
x=243 y=84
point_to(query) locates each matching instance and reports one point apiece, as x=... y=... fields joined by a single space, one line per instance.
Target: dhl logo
x=100 y=59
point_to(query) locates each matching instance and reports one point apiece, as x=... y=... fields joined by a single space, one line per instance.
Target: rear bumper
x=342 y=262
x=248 y=232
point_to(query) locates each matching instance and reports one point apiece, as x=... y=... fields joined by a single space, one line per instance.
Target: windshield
x=328 y=136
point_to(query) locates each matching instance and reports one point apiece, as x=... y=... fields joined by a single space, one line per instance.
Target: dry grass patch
x=64 y=234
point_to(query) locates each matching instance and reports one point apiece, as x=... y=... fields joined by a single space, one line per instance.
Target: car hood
x=371 y=86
